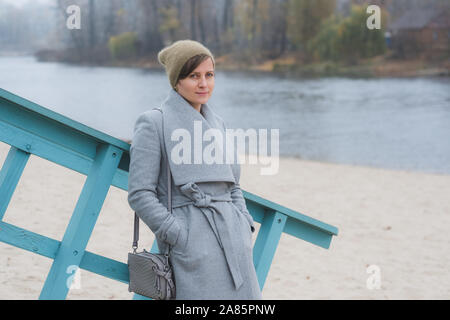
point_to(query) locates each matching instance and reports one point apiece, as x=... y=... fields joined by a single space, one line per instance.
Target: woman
x=210 y=228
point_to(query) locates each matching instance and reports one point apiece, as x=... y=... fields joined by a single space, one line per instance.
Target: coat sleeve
x=145 y=159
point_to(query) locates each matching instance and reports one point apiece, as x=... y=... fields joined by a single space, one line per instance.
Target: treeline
x=249 y=30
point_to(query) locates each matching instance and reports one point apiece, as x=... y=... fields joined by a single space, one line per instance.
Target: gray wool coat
x=210 y=228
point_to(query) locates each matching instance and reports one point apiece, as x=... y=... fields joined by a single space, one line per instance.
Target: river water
x=391 y=123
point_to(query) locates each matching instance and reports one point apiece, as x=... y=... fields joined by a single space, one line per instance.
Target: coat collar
x=179 y=114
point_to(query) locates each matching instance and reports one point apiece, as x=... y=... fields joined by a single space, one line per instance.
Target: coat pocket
x=250 y=221
x=182 y=239
x=247 y=217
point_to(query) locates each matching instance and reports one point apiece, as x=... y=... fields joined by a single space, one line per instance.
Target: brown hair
x=191 y=64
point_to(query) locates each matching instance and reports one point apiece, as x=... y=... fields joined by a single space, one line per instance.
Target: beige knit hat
x=177 y=54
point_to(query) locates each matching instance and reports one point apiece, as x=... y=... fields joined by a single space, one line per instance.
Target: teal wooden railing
x=32 y=129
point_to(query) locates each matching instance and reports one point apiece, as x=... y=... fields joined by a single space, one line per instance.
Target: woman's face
x=198 y=86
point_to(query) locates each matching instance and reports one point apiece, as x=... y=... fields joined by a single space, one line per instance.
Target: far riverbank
x=290 y=66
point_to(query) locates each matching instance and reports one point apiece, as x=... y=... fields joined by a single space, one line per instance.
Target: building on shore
x=422 y=33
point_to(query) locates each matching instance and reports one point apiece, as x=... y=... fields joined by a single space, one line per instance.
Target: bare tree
x=200 y=10
x=152 y=39
x=91 y=12
x=227 y=15
x=193 y=19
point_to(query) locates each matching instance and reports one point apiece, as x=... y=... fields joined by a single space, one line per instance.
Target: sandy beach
x=393 y=221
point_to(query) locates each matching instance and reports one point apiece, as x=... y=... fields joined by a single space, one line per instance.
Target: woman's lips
x=202 y=93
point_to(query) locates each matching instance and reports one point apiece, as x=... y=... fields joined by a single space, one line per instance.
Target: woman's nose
x=202 y=82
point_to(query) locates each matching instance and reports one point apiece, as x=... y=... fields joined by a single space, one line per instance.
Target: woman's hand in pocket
x=181 y=243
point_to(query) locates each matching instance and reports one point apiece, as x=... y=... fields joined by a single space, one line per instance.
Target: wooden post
x=266 y=243
x=9 y=176
x=82 y=223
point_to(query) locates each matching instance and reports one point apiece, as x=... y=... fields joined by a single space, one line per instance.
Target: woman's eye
x=210 y=74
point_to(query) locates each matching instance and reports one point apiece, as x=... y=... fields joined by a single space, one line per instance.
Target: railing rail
x=32 y=129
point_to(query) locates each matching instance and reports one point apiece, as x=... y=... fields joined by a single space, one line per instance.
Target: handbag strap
x=169 y=199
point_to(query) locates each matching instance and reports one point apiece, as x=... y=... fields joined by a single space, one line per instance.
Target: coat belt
x=218 y=222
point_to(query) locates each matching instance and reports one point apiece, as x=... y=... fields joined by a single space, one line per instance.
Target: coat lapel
x=179 y=114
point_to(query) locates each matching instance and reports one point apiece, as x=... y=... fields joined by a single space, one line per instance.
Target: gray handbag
x=151 y=274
